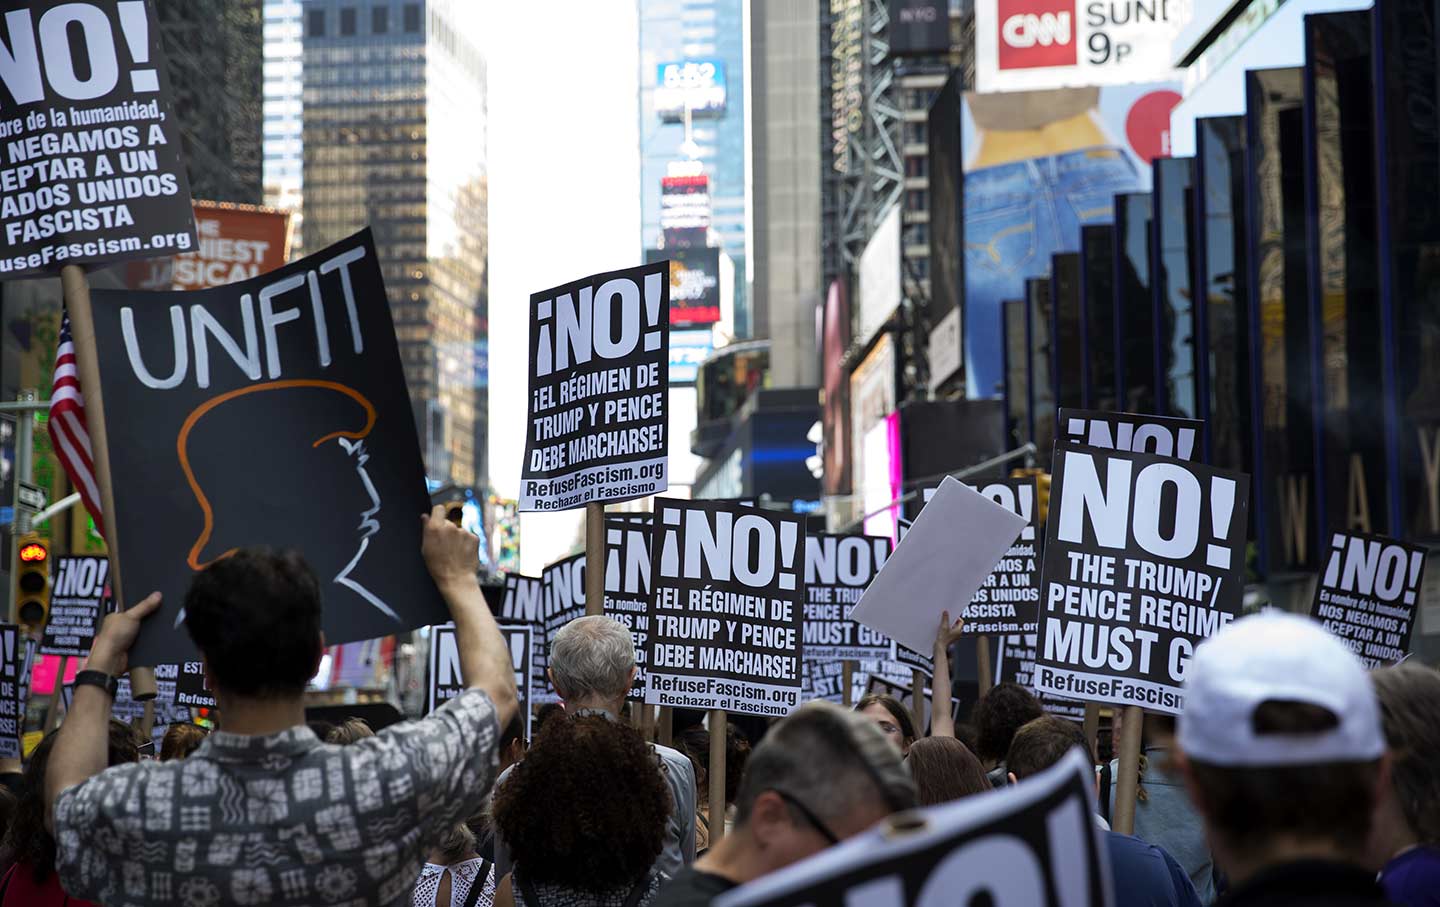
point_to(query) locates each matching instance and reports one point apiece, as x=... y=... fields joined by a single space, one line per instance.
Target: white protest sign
x=524 y=603
x=78 y=589
x=1368 y=594
x=948 y=553
x=627 y=585
x=444 y=681
x=727 y=607
x=1164 y=436
x=599 y=375
x=1034 y=844
x=837 y=570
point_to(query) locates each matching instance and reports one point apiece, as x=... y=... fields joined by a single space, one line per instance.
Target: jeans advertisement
x=1038 y=166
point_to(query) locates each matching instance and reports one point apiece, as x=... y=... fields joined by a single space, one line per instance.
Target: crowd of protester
x=1291 y=777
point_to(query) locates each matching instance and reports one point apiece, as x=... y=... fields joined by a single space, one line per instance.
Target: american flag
x=67 y=425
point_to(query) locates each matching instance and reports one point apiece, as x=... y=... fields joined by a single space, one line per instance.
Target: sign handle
x=1091 y=726
x=985 y=674
x=76 y=290
x=594 y=558
x=917 y=700
x=718 y=727
x=666 y=729
x=847 y=681
x=1127 y=775
x=52 y=714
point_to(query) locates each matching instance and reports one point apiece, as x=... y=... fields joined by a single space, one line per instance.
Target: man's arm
x=82 y=745
x=452 y=554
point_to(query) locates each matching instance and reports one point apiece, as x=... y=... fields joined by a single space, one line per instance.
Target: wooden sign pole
x=847 y=681
x=594 y=559
x=1091 y=727
x=718 y=725
x=917 y=700
x=76 y=289
x=985 y=673
x=1127 y=775
x=52 y=714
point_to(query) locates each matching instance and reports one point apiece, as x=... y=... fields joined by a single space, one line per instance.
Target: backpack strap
x=474 y=896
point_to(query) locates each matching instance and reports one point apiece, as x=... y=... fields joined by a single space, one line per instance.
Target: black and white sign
x=12 y=655
x=190 y=687
x=826 y=680
x=524 y=603
x=31 y=497
x=627 y=585
x=1034 y=844
x=1009 y=600
x=92 y=171
x=563 y=590
x=1144 y=559
x=1015 y=663
x=837 y=570
x=1368 y=594
x=909 y=658
x=727 y=608
x=599 y=372
x=1164 y=436
x=444 y=677
x=268 y=412
x=78 y=590
x=126 y=709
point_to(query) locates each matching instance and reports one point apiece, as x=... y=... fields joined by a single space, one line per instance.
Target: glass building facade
x=394 y=139
x=283 y=89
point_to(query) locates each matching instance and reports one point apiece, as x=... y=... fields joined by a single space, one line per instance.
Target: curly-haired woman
x=584 y=816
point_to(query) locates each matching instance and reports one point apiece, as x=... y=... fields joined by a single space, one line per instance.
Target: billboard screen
x=1017 y=374
x=946 y=209
x=880 y=289
x=1134 y=309
x=1170 y=287
x=872 y=398
x=1023 y=45
x=1068 y=329
x=1039 y=165
x=236 y=242
x=919 y=27
x=835 y=416
x=687 y=350
x=696 y=84
x=1097 y=303
x=1042 y=384
x=694 y=284
x=685 y=209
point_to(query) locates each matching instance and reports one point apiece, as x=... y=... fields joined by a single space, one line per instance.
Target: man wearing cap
x=821 y=775
x=1281 y=748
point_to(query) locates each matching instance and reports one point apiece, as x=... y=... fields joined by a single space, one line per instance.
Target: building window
x=379 y=20
x=347 y=21
x=412 y=17
x=914 y=133
x=916 y=200
x=917 y=166
x=317 y=23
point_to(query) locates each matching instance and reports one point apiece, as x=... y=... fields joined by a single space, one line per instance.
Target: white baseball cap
x=1284 y=657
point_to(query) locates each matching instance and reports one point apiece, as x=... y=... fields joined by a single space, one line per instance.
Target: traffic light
x=32 y=584
x=1042 y=488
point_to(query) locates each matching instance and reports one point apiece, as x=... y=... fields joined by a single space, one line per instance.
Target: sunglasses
x=809 y=816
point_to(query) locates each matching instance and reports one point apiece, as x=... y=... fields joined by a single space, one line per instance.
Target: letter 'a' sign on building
x=268 y=412
x=599 y=373
x=727 y=599
x=92 y=171
x=1144 y=559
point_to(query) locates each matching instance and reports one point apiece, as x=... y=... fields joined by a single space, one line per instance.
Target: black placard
x=524 y=603
x=1368 y=594
x=1163 y=436
x=1144 y=558
x=599 y=372
x=79 y=588
x=268 y=412
x=837 y=570
x=915 y=661
x=190 y=687
x=562 y=588
x=1009 y=600
x=443 y=680
x=1015 y=663
x=12 y=654
x=92 y=170
x=1034 y=843
x=726 y=608
x=627 y=585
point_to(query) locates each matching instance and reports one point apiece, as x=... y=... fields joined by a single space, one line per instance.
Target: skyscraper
x=283 y=86
x=394 y=139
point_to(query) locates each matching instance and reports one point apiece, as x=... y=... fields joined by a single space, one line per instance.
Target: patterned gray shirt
x=279 y=820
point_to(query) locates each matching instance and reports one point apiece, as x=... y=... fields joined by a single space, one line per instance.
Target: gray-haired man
x=592 y=664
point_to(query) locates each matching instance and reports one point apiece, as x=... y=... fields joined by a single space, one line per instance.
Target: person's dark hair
x=181 y=740
x=1251 y=806
x=26 y=840
x=903 y=719
x=255 y=615
x=965 y=733
x=1041 y=743
x=349 y=731
x=944 y=770
x=320 y=728
x=544 y=714
x=588 y=807
x=513 y=731
x=1409 y=697
x=998 y=715
x=694 y=742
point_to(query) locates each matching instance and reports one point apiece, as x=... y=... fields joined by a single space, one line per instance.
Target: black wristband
x=98 y=679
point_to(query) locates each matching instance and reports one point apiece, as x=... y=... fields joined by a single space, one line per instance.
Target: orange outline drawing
x=180 y=447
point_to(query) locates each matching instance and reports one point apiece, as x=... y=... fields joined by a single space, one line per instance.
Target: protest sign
x=308 y=354
x=1034 y=844
x=235 y=242
x=1015 y=663
x=93 y=170
x=1368 y=594
x=627 y=585
x=1144 y=559
x=444 y=681
x=1164 y=436
x=78 y=589
x=826 y=680
x=948 y=553
x=190 y=687
x=599 y=375
x=562 y=589
x=524 y=603
x=726 y=608
x=914 y=661
x=1009 y=599
x=12 y=654
x=837 y=570
x=127 y=709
